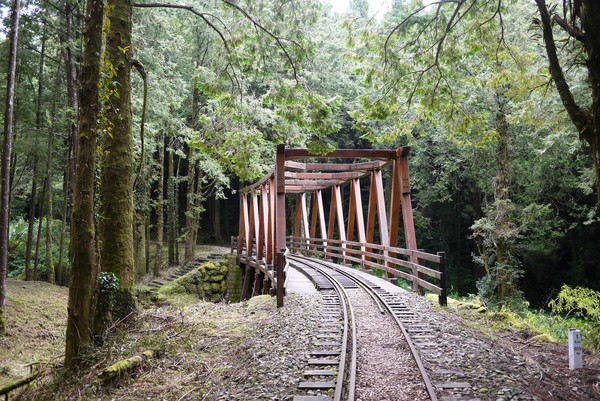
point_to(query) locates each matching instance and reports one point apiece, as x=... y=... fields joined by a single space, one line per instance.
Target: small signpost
x=575 y=349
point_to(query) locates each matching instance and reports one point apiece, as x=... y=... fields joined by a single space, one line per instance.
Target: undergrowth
x=571 y=309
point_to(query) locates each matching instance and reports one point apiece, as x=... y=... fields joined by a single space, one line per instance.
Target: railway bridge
x=275 y=223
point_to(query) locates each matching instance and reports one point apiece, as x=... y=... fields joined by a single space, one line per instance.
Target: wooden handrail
x=392 y=265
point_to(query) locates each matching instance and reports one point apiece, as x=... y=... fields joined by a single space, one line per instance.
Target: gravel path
x=386 y=369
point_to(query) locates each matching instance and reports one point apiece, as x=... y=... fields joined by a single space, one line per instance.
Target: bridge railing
x=271 y=275
x=386 y=258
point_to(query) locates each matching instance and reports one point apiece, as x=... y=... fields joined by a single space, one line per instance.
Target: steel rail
x=348 y=322
x=413 y=349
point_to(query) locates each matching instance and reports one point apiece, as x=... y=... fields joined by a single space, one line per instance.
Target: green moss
x=217 y=278
x=544 y=338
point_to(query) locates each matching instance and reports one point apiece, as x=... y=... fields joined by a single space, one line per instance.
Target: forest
x=129 y=128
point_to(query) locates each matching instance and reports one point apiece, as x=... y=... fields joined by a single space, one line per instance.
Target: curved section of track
x=406 y=319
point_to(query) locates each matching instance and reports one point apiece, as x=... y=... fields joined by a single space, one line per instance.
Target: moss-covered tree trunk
x=31 y=221
x=171 y=200
x=83 y=247
x=190 y=213
x=60 y=273
x=49 y=258
x=502 y=199
x=217 y=220
x=160 y=205
x=141 y=211
x=7 y=153
x=38 y=237
x=581 y=21
x=116 y=178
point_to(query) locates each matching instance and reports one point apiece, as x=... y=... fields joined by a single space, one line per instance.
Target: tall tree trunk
x=73 y=102
x=171 y=224
x=501 y=193
x=190 y=213
x=83 y=247
x=176 y=210
x=38 y=237
x=141 y=211
x=31 y=221
x=217 y=220
x=585 y=119
x=6 y=155
x=38 y=128
x=197 y=203
x=60 y=276
x=160 y=205
x=48 y=190
x=116 y=188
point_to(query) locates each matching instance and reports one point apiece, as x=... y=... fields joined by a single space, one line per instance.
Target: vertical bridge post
x=280 y=243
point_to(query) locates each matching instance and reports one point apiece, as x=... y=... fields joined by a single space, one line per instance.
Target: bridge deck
x=298 y=283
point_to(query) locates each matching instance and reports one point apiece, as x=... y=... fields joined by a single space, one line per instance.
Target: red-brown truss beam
x=262 y=208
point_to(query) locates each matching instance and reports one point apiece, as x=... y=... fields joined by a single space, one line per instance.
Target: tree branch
x=408 y=17
x=574 y=32
x=192 y=10
x=577 y=115
x=277 y=39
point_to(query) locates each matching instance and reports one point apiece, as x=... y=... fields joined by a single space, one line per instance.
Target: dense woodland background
x=503 y=178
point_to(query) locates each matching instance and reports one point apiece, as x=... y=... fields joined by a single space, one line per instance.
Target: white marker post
x=575 y=349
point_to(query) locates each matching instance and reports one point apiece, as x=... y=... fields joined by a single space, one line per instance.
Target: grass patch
x=537 y=325
x=36 y=317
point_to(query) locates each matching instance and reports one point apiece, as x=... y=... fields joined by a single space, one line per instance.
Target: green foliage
x=18 y=246
x=108 y=288
x=583 y=302
x=557 y=327
x=487 y=287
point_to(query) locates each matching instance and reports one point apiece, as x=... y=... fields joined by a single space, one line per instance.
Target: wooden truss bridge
x=333 y=182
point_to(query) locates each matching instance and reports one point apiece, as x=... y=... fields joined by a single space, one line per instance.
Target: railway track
x=332 y=363
x=330 y=278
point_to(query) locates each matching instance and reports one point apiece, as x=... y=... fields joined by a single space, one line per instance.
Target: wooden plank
x=395 y=206
x=257 y=223
x=280 y=244
x=340 y=217
x=252 y=187
x=247 y=225
x=313 y=219
x=305 y=217
x=332 y=214
x=371 y=212
x=381 y=210
x=294 y=153
x=314 y=183
x=407 y=215
x=264 y=222
x=360 y=221
x=271 y=223
x=321 y=214
x=344 y=176
x=366 y=166
x=242 y=228
x=316 y=385
x=298 y=220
